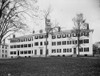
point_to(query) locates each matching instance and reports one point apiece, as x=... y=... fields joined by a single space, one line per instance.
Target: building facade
x=3 y=51
x=62 y=43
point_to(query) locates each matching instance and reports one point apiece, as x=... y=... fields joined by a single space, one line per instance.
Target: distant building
x=62 y=43
x=3 y=51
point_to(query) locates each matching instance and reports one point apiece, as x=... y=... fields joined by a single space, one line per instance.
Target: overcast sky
x=63 y=11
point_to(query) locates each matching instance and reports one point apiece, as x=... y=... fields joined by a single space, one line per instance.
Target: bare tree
x=11 y=17
x=48 y=26
x=80 y=24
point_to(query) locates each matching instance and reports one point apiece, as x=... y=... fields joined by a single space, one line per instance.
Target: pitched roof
x=53 y=33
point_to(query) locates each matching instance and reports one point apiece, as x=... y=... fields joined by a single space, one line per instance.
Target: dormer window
x=58 y=36
x=53 y=37
x=86 y=34
x=41 y=36
x=64 y=35
x=29 y=39
x=74 y=34
x=82 y=34
x=36 y=37
x=21 y=40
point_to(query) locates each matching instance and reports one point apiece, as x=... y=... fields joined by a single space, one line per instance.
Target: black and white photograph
x=49 y=38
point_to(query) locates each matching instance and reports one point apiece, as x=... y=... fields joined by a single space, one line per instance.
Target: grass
x=51 y=66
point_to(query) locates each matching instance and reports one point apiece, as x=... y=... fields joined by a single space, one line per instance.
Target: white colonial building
x=62 y=43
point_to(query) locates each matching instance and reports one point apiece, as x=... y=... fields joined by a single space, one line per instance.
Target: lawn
x=51 y=66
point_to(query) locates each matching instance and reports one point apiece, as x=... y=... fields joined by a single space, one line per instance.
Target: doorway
x=18 y=53
x=74 y=50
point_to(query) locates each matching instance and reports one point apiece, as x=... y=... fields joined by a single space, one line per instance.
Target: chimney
x=33 y=31
x=87 y=26
x=14 y=36
x=59 y=29
x=41 y=31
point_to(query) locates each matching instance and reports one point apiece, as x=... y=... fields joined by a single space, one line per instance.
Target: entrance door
x=47 y=52
x=74 y=50
x=18 y=52
x=41 y=51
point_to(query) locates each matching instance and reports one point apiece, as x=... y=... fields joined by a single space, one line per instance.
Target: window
x=14 y=52
x=5 y=51
x=67 y=50
x=36 y=37
x=18 y=40
x=80 y=41
x=82 y=34
x=5 y=47
x=22 y=40
x=46 y=43
x=35 y=52
x=69 y=35
x=29 y=45
x=21 y=52
x=11 y=46
x=6 y=56
x=63 y=42
x=3 y=55
x=53 y=43
x=18 y=46
x=81 y=49
x=41 y=43
x=86 y=34
x=58 y=50
x=86 y=49
x=25 y=45
x=36 y=43
x=41 y=51
x=67 y=42
x=86 y=40
x=25 y=52
x=41 y=36
x=58 y=36
x=11 y=52
x=53 y=37
x=46 y=36
x=74 y=34
x=64 y=50
x=22 y=46
x=14 y=46
x=70 y=50
x=29 y=52
x=53 y=50
x=2 y=51
x=59 y=43
x=75 y=41
x=64 y=36
x=29 y=39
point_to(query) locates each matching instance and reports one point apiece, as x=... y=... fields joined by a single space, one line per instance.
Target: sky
x=63 y=11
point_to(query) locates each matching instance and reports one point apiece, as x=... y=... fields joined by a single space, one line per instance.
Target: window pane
x=36 y=43
x=59 y=43
x=63 y=42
